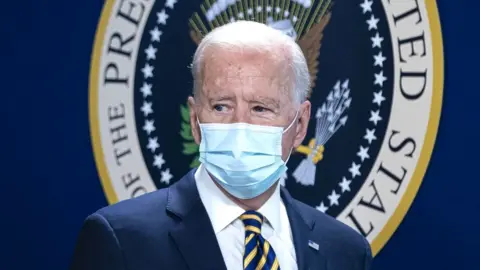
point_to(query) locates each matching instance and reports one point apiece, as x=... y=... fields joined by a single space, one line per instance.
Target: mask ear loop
x=289 y=155
x=289 y=126
x=200 y=129
x=291 y=123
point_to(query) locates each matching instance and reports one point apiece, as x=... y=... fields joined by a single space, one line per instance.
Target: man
x=248 y=111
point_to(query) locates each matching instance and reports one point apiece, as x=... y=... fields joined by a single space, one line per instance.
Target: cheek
x=287 y=143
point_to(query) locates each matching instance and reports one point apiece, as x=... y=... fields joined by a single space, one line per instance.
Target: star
x=286 y=13
x=146 y=89
x=294 y=19
x=370 y=136
x=375 y=116
x=378 y=97
x=278 y=9
x=162 y=17
x=366 y=6
x=250 y=11
x=322 y=207
x=150 y=51
x=259 y=9
x=354 y=170
x=149 y=127
x=170 y=3
x=166 y=176
x=240 y=15
x=363 y=153
x=372 y=22
x=153 y=144
x=333 y=198
x=377 y=41
x=147 y=71
x=269 y=8
x=379 y=58
x=158 y=161
x=379 y=78
x=345 y=184
x=155 y=33
x=146 y=108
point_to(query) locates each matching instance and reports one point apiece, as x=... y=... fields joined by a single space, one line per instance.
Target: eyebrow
x=220 y=97
x=268 y=101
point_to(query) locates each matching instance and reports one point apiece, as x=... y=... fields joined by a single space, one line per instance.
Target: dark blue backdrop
x=49 y=179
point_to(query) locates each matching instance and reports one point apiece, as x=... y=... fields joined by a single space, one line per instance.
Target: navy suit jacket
x=170 y=229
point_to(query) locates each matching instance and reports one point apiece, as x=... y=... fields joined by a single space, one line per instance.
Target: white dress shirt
x=229 y=229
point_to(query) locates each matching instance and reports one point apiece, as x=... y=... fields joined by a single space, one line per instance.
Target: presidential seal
x=377 y=82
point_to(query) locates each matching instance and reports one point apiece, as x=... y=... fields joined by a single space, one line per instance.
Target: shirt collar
x=223 y=211
x=271 y=209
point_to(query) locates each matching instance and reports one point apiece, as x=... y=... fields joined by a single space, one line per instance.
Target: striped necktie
x=258 y=255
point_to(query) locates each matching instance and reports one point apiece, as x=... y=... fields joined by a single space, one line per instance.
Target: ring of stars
x=378 y=81
x=148 y=71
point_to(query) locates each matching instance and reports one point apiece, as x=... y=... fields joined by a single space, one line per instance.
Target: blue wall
x=49 y=179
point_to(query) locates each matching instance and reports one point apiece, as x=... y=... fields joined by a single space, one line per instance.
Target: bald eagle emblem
x=304 y=21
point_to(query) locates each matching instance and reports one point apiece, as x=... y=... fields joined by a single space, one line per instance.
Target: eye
x=220 y=108
x=260 y=109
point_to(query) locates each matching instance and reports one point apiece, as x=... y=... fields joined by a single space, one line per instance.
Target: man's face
x=250 y=87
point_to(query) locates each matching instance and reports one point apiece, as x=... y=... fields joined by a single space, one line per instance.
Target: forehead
x=247 y=68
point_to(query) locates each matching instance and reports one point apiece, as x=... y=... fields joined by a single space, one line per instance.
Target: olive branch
x=189 y=145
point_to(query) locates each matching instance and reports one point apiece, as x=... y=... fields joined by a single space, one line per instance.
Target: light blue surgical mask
x=244 y=159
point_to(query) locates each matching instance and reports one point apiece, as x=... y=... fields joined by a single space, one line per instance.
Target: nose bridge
x=243 y=87
x=241 y=113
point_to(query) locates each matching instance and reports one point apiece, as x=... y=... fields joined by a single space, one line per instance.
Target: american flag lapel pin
x=313 y=245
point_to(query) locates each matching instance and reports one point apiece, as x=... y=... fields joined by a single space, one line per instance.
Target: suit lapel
x=194 y=233
x=302 y=228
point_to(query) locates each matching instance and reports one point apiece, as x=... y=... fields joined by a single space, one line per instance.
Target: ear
x=303 y=120
x=193 y=120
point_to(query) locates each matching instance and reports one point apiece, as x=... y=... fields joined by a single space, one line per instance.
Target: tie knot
x=252 y=220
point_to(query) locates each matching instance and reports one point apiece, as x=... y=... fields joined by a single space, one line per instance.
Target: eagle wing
x=310 y=44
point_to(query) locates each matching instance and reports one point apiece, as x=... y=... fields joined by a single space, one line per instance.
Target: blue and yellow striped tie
x=258 y=255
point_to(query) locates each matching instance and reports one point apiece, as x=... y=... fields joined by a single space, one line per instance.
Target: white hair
x=254 y=35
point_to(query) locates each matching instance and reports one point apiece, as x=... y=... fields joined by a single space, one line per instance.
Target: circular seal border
x=402 y=208
x=430 y=136
x=93 y=103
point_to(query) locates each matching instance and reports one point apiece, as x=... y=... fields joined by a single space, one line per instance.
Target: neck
x=253 y=203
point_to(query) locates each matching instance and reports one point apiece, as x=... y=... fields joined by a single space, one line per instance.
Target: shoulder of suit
x=143 y=211
x=338 y=235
